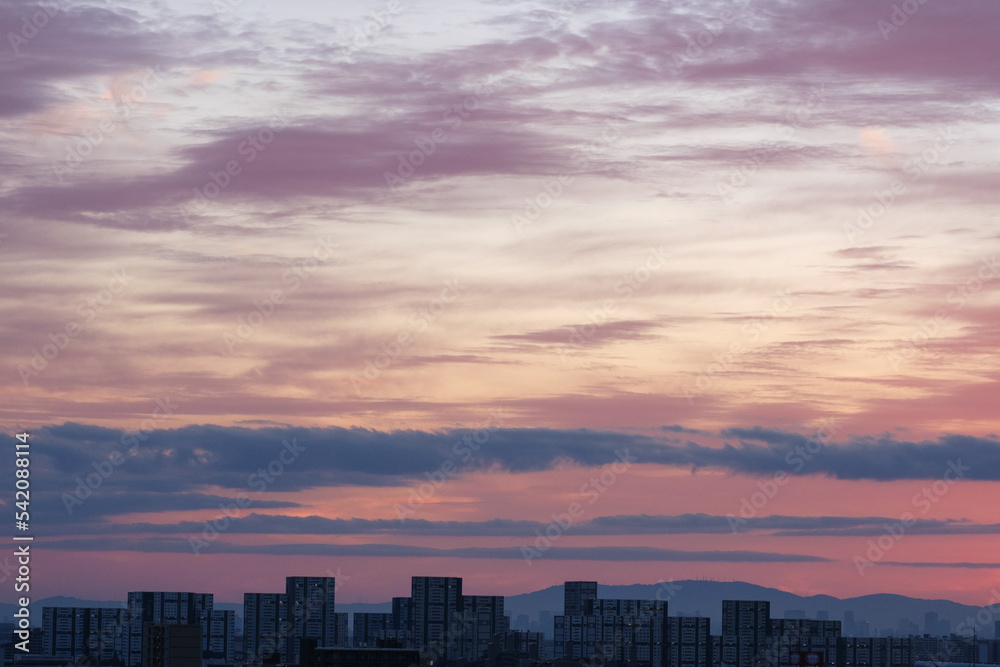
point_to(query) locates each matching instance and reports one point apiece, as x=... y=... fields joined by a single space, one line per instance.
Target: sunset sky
x=716 y=280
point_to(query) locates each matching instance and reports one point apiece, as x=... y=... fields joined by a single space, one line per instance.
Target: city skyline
x=520 y=292
x=856 y=613
x=440 y=623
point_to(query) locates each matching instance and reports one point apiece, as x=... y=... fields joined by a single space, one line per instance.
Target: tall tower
x=575 y=632
x=690 y=640
x=263 y=625
x=75 y=633
x=402 y=620
x=484 y=619
x=575 y=597
x=436 y=607
x=163 y=609
x=749 y=621
x=931 y=624
x=309 y=613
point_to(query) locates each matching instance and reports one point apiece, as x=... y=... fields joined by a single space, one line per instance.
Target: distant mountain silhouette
x=704 y=598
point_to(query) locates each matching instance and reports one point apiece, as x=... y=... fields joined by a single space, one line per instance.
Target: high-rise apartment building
x=849 y=628
x=875 y=652
x=309 y=612
x=220 y=647
x=749 y=621
x=74 y=633
x=574 y=637
x=612 y=607
x=931 y=624
x=640 y=640
x=804 y=627
x=172 y=645
x=483 y=621
x=340 y=637
x=690 y=641
x=164 y=608
x=436 y=604
x=576 y=594
x=794 y=639
x=372 y=627
x=620 y=630
x=402 y=621
x=519 y=643
x=264 y=619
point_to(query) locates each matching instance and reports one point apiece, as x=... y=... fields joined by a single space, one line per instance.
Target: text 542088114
x=22 y=518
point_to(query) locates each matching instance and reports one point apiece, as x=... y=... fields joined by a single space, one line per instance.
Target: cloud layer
x=749 y=246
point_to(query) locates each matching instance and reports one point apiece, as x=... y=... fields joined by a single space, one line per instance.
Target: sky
x=518 y=291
